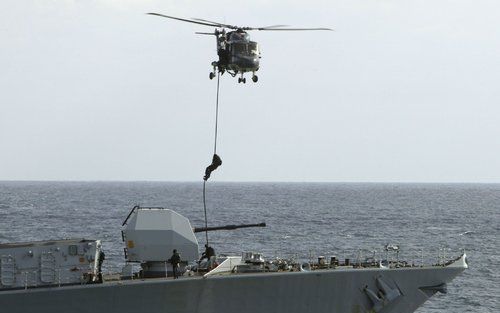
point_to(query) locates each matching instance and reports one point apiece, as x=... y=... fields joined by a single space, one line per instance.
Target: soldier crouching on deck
x=209 y=255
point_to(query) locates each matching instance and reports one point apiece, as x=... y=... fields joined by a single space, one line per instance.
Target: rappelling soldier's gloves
x=216 y=162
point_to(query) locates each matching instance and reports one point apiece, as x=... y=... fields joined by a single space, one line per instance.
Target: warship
x=66 y=276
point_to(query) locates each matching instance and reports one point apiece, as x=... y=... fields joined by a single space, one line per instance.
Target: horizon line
x=239 y=181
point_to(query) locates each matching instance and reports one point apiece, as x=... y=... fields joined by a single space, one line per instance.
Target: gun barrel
x=227 y=227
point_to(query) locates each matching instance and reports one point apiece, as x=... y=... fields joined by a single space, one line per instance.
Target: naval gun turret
x=227 y=227
x=150 y=236
x=152 y=233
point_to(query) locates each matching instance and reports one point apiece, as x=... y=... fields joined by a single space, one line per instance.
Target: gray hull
x=328 y=291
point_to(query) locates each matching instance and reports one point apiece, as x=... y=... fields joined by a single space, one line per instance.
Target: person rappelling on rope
x=216 y=162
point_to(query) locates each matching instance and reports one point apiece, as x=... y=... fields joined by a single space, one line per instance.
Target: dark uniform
x=216 y=162
x=208 y=254
x=101 y=259
x=209 y=251
x=175 y=260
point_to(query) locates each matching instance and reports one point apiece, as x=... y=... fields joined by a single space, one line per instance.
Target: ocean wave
x=469 y=232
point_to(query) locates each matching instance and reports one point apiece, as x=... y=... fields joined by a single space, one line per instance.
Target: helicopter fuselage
x=237 y=54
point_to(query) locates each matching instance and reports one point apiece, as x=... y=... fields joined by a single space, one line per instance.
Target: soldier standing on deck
x=175 y=260
x=99 y=266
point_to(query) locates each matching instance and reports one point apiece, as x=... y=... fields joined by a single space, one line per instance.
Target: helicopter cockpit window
x=240 y=48
x=249 y=49
x=253 y=48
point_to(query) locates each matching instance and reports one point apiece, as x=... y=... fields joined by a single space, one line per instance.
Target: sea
x=429 y=222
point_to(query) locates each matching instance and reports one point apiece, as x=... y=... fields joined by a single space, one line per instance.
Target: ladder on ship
x=7 y=270
x=47 y=268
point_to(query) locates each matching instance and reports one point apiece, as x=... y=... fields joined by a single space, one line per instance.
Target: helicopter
x=237 y=53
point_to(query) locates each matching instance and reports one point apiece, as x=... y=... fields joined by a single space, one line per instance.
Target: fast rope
x=216 y=160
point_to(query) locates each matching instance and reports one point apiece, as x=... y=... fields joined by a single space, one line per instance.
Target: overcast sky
x=402 y=91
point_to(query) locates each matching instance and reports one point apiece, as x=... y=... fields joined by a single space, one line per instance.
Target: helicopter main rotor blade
x=185 y=20
x=270 y=26
x=201 y=33
x=290 y=29
x=216 y=23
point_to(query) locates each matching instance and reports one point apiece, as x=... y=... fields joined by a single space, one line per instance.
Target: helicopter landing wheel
x=211 y=75
x=244 y=80
x=239 y=80
x=255 y=78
